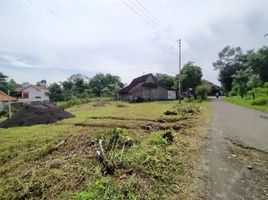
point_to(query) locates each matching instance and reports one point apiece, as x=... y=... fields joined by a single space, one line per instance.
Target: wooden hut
x=145 y=87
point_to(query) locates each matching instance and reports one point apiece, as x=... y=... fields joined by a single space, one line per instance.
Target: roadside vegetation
x=244 y=76
x=110 y=150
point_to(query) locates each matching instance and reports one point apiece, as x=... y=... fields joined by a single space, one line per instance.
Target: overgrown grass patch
x=260 y=103
x=59 y=161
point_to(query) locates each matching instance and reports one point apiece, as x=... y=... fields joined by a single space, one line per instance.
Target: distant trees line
x=80 y=86
x=241 y=72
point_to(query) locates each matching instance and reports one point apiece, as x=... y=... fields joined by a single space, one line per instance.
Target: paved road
x=228 y=178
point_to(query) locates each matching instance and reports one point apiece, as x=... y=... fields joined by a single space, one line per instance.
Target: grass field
x=246 y=102
x=59 y=161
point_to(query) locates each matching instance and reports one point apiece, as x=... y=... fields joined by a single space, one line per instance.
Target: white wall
x=171 y=94
x=34 y=94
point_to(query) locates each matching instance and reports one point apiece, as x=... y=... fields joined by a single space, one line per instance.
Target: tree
x=166 y=81
x=42 y=83
x=229 y=61
x=76 y=85
x=55 y=92
x=259 y=62
x=3 y=83
x=3 y=77
x=190 y=76
x=254 y=81
x=108 y=83
x=240 y=80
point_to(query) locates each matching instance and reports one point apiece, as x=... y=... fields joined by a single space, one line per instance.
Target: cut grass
x=246 y=103
x=33 y=167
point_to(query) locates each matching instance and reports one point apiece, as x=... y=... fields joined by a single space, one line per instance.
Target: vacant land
x=147 y=154
x=246 y=102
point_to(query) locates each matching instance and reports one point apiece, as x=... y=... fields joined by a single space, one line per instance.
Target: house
x=145 y=87
x=5 y=98
x=32 y=93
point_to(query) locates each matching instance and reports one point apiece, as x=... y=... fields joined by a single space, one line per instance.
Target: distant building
x=5 y=98
x=146 y=87
x=32 y=93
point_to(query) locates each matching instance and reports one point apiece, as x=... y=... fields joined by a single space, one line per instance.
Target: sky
x=53 y=39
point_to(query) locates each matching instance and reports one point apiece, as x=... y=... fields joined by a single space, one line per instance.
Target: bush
x=265 y=85
x=74 y=102
x=260 y=101
x=202 y=91
x=121 y=105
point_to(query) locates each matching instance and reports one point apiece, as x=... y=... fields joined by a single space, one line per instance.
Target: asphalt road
x=228 y=178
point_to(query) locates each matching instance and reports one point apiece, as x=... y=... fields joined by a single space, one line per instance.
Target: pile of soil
x=41 y=113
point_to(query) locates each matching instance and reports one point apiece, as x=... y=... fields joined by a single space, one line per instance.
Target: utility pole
x=179 y=41
x=9 y=105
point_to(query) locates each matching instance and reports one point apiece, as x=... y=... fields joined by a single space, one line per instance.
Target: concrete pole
x=9 y=105
x=179 y=41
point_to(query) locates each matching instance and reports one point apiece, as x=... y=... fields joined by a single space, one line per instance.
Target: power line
x=146 y=20
x=148 y=13
x=149 y=17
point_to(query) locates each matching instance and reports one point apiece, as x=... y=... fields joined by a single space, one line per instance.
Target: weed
x=260 y=101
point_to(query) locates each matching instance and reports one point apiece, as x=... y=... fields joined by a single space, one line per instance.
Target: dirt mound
x=42 y=113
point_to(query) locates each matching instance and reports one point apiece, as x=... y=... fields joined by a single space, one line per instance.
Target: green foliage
x=122 y=105
x=254 y=81
x=166 y=81
x=74 y=102
x=260 y=101
x=55 y=92
x=107 y=84
x=106 y=189
x=258 y=61
x=265 y=85
x=158 y=139
x=240 y=80
x=202 y=91
x=190 y=76
x=229 y=61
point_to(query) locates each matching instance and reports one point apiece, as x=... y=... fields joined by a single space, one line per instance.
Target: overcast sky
x=52 y=39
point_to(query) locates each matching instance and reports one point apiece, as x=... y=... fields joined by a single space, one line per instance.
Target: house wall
x=171 y=94
x=34 y=95
x=146 y=93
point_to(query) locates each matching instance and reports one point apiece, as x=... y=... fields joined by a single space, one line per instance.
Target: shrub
x=202 y=91
x=260 y=101
x=121 y=105
x=265 y=85
x=74 y=102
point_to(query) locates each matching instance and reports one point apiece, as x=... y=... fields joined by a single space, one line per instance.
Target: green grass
x=246 y=102
x=33 y=167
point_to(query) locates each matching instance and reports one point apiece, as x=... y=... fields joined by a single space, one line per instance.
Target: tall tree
x=3 y=82
x=55 y=92
x=259 y=62
x=229 y=61
x=108 y=83
x=191 y=75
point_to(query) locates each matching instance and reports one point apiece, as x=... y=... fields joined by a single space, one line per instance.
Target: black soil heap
x=41 y=113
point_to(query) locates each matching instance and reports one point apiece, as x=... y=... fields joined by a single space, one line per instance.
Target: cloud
x=105 y=36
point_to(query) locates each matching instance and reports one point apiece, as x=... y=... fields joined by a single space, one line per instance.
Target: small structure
x=145 y=87
x=32 y=93
x=5 y=98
